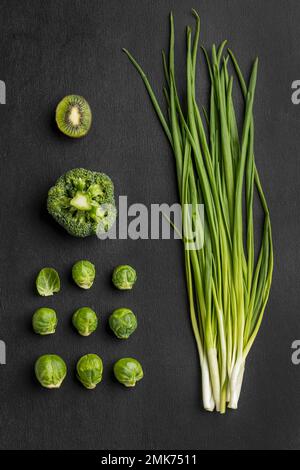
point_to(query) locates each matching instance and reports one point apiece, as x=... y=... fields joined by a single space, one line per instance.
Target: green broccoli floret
x=82 y=201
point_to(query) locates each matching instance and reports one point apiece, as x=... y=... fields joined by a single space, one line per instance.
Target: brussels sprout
x=85 y=321
x=44 y=321
x=50 y=370
x=83 y=273
x=128 y=371
x=47 y=282
x=124 y=277
x=89 y=370
x=123 y=322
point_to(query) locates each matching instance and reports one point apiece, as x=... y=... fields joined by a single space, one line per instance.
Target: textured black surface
x=50 y=49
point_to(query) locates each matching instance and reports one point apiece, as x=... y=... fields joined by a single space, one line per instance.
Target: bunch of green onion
x=228 y=280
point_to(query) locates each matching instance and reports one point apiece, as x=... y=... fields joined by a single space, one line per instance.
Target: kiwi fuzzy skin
x=80 y=108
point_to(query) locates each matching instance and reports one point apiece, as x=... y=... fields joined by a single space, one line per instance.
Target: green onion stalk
x=228 y=278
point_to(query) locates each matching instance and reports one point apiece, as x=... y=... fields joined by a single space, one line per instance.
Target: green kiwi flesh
x=73 y=116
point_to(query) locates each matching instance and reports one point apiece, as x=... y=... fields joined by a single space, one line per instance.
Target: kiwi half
x=73 y=116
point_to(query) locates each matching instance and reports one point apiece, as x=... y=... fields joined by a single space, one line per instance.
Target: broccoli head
x=82 y=201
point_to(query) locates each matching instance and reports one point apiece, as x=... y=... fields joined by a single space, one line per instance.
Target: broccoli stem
x=81 y=202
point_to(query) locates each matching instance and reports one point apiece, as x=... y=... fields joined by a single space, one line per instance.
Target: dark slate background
x=48 y=50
